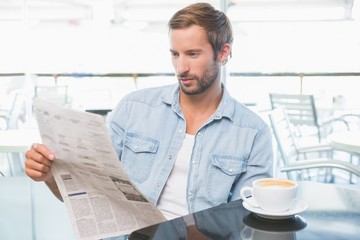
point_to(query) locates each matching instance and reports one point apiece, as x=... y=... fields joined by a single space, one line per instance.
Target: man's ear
x=224 y=53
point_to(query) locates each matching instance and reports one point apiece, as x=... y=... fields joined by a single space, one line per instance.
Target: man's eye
x=193 y=54
x=174 y=54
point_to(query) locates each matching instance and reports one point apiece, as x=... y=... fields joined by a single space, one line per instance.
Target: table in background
x=348 y=141
x=28 y=210
x=18 y=140
x=13 y=142
x=333 y=213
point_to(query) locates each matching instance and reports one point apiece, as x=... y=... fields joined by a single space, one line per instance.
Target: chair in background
x=56 y=94
x=12 y=119
x=302 y=112
x=15 y=114
x=293 y=164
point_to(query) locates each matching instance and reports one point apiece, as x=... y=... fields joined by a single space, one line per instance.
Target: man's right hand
x=38 y=166
x=38 y=162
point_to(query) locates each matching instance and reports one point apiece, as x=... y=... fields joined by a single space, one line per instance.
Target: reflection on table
x=333 y=213
x=28 y=210
x=101 y=111
x=348 y=141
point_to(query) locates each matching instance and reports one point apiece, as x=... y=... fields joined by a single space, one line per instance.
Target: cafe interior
x=295 y=63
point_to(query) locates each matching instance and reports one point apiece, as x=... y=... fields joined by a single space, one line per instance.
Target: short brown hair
x=216 y=24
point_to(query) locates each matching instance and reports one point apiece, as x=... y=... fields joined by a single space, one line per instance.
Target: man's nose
x=182 y=65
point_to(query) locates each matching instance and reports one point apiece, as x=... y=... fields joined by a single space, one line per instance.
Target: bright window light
x=356 y=10
x=153 y=14
x=135 y=25
x=286 y=13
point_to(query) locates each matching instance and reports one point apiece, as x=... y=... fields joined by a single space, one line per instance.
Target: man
x=188 y=146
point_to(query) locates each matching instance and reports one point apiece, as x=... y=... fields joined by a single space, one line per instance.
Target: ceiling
x=159 y=11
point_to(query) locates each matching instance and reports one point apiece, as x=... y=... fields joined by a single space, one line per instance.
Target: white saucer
x=298 y=207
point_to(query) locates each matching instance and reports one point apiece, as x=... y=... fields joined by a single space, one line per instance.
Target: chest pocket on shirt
x=139 y=155
x=222 y=174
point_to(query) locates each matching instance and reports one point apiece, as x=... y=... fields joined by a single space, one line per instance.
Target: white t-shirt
x=172 y=202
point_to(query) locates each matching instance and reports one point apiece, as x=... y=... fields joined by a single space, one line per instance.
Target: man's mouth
x=186 y=80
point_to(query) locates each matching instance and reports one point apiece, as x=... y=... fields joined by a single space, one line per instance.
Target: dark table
x=333 y=213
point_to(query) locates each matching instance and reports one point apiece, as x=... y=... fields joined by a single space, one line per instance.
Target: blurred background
x=87 y=54
x=110 y=47
x=303 y=55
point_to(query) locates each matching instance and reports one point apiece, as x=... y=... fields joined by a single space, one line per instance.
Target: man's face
x=193 y=59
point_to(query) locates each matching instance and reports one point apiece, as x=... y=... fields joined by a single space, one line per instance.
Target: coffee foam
x=275 y=183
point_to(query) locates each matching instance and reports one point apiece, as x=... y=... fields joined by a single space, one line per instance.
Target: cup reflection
x=257 y=228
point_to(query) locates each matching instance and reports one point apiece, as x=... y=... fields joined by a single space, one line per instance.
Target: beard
x=203 y=82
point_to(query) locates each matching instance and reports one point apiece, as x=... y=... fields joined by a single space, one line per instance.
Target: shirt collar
x=225 y=108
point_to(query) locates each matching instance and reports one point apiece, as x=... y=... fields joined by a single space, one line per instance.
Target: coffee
x=270 y=194
x=275 y=183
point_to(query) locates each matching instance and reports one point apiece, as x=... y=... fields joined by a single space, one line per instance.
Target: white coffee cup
x=270 y=194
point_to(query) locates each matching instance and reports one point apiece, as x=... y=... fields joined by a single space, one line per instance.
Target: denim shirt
x=231 y=149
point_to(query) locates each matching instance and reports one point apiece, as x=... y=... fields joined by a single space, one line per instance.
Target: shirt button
x=193 y=162
x=180 y=131
x=189 y=193
x=230 y=170
x=199 y=133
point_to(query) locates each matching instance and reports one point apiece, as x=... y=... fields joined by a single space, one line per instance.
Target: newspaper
x=100 y=199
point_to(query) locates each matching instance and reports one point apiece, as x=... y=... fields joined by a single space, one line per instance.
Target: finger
x=38 y=176
x=38 y=165
x=38 y=171
x=41 y=148
x=34 y=155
